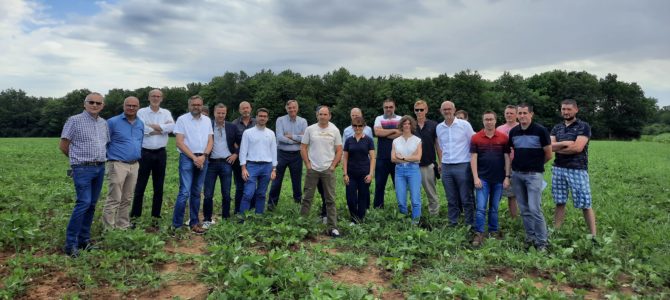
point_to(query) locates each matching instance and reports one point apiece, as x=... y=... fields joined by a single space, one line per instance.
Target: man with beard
x=244 y=122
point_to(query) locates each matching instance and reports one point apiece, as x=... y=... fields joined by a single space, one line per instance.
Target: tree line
x=615 y=109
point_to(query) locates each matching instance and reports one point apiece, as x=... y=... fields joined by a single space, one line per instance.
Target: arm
x=281 y=136
x=345 y=159
x=475 y=173
x=508 y=171
x=416 y=156
x=305 y=156
x=547 y=153
x=167 y=126
x=64 y=146
x=338 y=157
x=387 y=133
x=438 y=150
x=373 y=162
x=394 y=157
x=182 y=146
x=573 y=147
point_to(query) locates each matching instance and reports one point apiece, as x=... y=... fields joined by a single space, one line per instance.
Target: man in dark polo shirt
x=570 y=141
x=425 y=129
x=532 y=149
x=244 y=122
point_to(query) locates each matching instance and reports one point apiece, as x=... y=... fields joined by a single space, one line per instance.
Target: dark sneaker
x=197 y=229
x=71 y=252
x=541 y=249
x=478 y=240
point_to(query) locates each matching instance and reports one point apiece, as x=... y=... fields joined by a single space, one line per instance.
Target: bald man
x=349 y=131
x=124 y=150
x=244 y=122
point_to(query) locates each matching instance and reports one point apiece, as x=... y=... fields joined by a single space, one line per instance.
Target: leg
x=115 y=179
x=158 y=179
x=482 y=200
x=186 y=167
x=415 y=191
x=196 y=190
x=559 y=191
x=295 y=166
x=519 y=185
x=239 y=184
x=226 y=179
x=534 y=189
x=275 y=189
x=328 y=180
x=263 y=176
x=210 y=184
x=495 y=194
x=401 y=182
x=451 y=191
x=381 y=175
x=581 y=193
x=311 y=180
x=590 y=218
x=319 y=187
x=465 y=187
x=141 y=185
x=249 y=188
x=84 y=184
x=363 y=197
x=123 y=217
x=351 y=191
x=428 y=184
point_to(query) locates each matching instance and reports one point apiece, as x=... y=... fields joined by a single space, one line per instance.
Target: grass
x=279 y=255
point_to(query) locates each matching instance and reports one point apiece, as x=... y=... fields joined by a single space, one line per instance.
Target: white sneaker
x=334 y=233
x=352 y=224
x=207 y=224
x=324 y=220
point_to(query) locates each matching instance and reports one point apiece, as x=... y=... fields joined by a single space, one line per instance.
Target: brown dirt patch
x=505 y=274
x=171 y=290
x=52 y=285
x=175 y=267
x=194 y=245
x=371 y=274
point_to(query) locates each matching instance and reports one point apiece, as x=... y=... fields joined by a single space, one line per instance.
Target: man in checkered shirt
x=84 y=140
x=570 y=141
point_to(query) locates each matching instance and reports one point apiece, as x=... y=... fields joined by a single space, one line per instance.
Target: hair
x=412 y=122
x=195 y=97
x=263 y=109
x=464 y=113
x=205 y=108
x=220 y=105
x=511 y=106
x=318 y=108
x=291 y=101
x=569 y=102
x=154 y=91
x=358 y=120
x=94 y=94
x=420 y=102
x=490 y=112
x=526 y=105
x=389 y=99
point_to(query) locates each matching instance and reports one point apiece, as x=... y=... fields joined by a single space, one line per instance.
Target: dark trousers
x=458 y=187
x=383 y=169
x=153 y=162
x=293 y=161
x=358 y=197
x=223 y=171
x=239 y=186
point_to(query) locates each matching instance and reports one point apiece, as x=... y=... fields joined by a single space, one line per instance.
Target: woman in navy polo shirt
x=358 y=166
x=406 y=154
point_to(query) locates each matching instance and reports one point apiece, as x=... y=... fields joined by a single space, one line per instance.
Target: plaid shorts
x=574 y=179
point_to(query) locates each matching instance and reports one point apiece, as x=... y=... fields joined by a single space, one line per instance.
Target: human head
x=448 y=110
x=389 y=107
x=155 y=97
x=130 y=106
x=355 y=113
x=489 y=120
x=510 y=114
x=292 y=108
x=569 y=109
x=524 y=112
x=220 y=112
x=323 y=115
x=420 y=109
x=405 y=121
x=461 y=114
x=245 y=109
x=358 y=124
x=195 y=105
x=94 y=103
x=205 y=110
x=262 y=116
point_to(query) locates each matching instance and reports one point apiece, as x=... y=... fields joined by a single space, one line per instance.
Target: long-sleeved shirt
x=162 y=118
x=295 y=127
x=259 y=145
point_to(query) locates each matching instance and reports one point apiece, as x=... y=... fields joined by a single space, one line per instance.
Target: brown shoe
x=197 y=229
x=478 y=240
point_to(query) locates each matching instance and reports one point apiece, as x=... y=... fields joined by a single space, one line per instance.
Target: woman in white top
x=406 y=154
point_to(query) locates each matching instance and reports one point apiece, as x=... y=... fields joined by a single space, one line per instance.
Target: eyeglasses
x=419 y=110
x=357 y=126
x=93 y=102
x=389 y=107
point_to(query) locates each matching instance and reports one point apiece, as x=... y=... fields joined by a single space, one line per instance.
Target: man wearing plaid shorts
x=570 y=141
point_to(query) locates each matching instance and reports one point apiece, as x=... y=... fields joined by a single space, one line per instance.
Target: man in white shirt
x=194 y=142
x=454 y=136
x=321 y=151
x=258 y=160
x=158 y=123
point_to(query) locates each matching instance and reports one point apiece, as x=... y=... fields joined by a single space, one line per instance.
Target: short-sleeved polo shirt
x=570 y=133
x=490 y=155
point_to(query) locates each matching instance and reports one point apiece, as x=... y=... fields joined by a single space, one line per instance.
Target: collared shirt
x=241 y=127
x=490 y=155
x=428 y=135
x=125 y=139
x=358 y=151
x=295 y=127
x=258 y=145
x=88 y=138
x=570 y=133
x=528 y=147
x=406 y=146
x=349 y=132
x=505 y=128
x=196 y=131
x=220 y=148
x=322 y=144
x=384 y=144
x=454 y=141
x=164 y=119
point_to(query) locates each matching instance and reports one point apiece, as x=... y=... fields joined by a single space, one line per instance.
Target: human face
x=195 y=106
x=460 y=116
x=358 y=128
x=447 y=109
x=407 y=127
x=155 y=98
x=389 y=109
x=261 y=118
x=94 y=104
x=510 y=115
x=245 y=109
x=323 y=116
x=524 y=115
x=420 y=110
x=130 y=107
x=489 y=122
x=292 y=109
x=220 y=114
x=355 y=113
x=569 y=112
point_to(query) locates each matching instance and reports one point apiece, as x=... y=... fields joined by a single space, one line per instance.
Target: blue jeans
x=293 y=161
x=408 y=176
x=358 y=197
x=87 y=184
x=224 y=171
x=457 y=182
x=191 y=180
x=527 y=187
x=490 y=194
x=256 y=186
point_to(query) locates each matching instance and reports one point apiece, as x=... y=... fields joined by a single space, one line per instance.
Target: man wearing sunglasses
x=386 y=129
x=426 y=130
x=83 y=141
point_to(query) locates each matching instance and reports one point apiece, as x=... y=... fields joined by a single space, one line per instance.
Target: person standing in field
x=386 y=130
x=258 y=159
x=243 y=122
x=358 y=165
x=406 y=154
x=193 y=133
x=463 y=115
x=454 y=137
x=490 y=172
x=84 y=141
x=570 y=141
x=126 y=133
x=321 y=151
x=220 y=165
x=510 y=122
x=290 y=129
x=426 y=130
x=158 y=123
x=349 y=130
x=532 y=149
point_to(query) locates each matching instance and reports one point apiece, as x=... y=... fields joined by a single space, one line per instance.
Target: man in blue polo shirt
x=570 y=141
x=124 y=150
x=532 y=149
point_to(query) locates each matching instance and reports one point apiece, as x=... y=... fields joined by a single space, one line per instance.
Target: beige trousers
x=428 y=183
x=327 y=178
x=121 y=179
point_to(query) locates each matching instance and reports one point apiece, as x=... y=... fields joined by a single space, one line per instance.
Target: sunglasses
x=357 y=126
x=419 y=110
x=93 y=102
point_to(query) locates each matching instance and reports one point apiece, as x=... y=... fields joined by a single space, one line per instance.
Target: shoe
x=352 y=224
x=324 y=220
x=207 y=224
x=335 y=233
x=197 y=229
x=541 y=249
x=71 y=252
x=88 y=246
x=478 y=240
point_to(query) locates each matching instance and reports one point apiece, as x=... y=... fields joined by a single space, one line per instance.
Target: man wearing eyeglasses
x=386 y=129
x=426 y=130
x=84 y=141
x=124 y=150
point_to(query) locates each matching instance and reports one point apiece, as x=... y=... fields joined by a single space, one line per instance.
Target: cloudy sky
x=52 y=47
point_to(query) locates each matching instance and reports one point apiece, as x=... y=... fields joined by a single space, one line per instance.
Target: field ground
x=279 y=255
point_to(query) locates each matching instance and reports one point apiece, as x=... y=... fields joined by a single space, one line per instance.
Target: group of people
x=476 y=169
